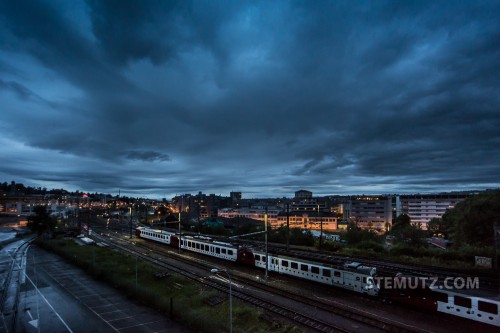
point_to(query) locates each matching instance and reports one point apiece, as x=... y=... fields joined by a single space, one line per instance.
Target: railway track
x=487 y=282
x=271 y=307
x=352 y=314
x=11 y=288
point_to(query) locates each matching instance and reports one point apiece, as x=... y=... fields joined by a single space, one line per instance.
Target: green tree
x=355 y=235
x=404 y=232
x=402 y=221
x=472 y=221
x=301 y=237
x=436 y=227
x=41 y=221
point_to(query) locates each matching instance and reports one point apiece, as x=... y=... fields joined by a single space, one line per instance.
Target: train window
x=294 y=265
x=304 y=268
x=264 y=259
x=364 y=279
x=230 y=252
x=217 y=250
x=284 y=263
x=189 y=244
x=257 y=257
x=462 y=301
x=327 y=272
x=314 y=269
x=336 y=273
x=487 y=307
x=441 y=297
x=223 y=251
x=207 y=248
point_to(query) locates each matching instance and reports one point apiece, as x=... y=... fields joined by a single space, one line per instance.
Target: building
x=255 y=213
x=421 y=208
x=303 y=194
x=235 y=196
x=327 y=221
x=370 y=212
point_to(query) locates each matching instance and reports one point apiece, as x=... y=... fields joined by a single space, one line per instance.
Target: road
x=56 y=296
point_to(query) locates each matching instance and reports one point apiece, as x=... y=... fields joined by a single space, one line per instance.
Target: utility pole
x=495 y=239
x=320 y=230
x=265 y=237
x=198 y=211
x=130 y=222
x=287 y=226
x=180 y=212
x=180 y=238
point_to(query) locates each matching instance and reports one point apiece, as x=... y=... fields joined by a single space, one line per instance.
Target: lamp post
x=215 y=270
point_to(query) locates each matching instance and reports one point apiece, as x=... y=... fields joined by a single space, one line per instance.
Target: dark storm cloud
x=264 y=97
x=148 y=156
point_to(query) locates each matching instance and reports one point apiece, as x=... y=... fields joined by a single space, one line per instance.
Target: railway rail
x=385 y=324
x=488 y=282
x=473 y=306
x=272 y=307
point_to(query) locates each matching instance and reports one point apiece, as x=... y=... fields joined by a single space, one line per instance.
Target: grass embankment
x=194 y=306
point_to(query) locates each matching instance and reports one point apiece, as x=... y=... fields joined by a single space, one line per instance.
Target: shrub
x=332 y=246
x=370 y=245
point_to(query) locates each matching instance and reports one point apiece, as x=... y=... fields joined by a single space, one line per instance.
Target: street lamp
x=215 y=270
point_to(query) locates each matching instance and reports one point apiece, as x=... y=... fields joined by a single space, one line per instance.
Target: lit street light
x=215 y=270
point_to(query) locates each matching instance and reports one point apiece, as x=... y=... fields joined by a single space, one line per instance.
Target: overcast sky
x=265 y=97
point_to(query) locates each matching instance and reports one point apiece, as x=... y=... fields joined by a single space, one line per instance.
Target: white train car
x=358 y=280
x=154 y=234
x=207 y=247
x=480 y=309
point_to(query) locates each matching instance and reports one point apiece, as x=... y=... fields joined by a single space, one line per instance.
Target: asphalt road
x=59 y=297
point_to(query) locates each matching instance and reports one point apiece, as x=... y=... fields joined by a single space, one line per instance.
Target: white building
x=421 y=208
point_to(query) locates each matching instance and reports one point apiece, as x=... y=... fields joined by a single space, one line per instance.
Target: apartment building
x=256 y=213
x=421 y=208
x=370 y=212
x=327 y=221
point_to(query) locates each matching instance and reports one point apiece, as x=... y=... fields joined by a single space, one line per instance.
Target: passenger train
x=352 y=276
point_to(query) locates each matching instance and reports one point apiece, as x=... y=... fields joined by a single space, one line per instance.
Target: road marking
x=88 y=307
x=32 y=322
x=50 y=305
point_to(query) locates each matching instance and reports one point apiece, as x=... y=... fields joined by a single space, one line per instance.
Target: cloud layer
x=163 y=97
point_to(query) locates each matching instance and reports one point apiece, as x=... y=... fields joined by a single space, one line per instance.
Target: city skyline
x=155 y=99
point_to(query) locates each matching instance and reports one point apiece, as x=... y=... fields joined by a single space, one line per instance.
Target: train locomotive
x=351 y=276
